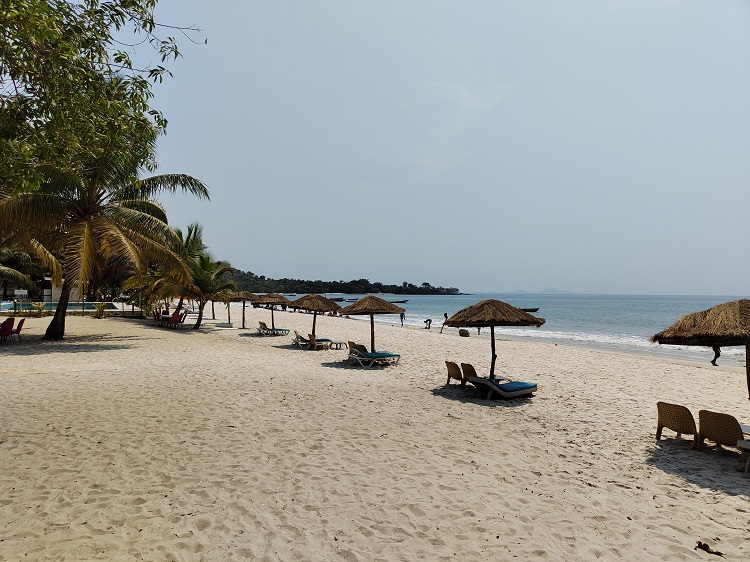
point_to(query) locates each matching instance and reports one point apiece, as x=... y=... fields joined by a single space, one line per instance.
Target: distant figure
x=402 y=315
x=427 y=323
x=445 y=315
x=717 y=354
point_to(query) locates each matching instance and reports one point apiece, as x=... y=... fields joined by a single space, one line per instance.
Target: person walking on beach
x=402 y=315
x=445 y=315
x=717 y=354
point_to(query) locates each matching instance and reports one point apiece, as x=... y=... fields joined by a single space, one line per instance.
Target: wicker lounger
x=722 y=429
x=678 y=419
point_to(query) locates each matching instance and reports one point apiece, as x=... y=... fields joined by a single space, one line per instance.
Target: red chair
x=6 y=328
x=17 y=331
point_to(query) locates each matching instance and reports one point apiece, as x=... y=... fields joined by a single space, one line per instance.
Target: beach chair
x=454 y=372
x=359 y=354
x=300 y=341
x=6 y=328
x=503 y=387
x=678 y=419
x=266 y=331
x=17 y=332
x=316 y=343
x=468 y=371
x=744 y=446
x=722 y=429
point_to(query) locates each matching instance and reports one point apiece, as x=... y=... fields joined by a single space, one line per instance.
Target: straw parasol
x=491 y=313
x=371 y=305
x=726 y=324
x=272 y=299
x=244 y=296
x=315 y=303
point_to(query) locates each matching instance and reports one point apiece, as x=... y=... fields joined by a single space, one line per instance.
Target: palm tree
x=209 y=280
x=103 y=213
x=189 y=248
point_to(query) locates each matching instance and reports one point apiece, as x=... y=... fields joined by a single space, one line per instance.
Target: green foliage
x=39 y=307
x=68 y=94
x=248 y=281
x=99 y=309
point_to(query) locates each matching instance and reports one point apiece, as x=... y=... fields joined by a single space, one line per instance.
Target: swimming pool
x=9 y=306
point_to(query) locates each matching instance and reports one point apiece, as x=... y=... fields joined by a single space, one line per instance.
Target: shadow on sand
x=36 y=345
x=345 y=365
x=713 y=468
x=466 y=394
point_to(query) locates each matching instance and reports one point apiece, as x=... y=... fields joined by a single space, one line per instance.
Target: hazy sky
x=591 y=146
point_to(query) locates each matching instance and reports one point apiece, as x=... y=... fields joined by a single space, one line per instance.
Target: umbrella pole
x=315 y=315
x=372 y=333
x=273 y=327
x=492 y=367
x=747 y=368
x=229 y=314
x=243 y=314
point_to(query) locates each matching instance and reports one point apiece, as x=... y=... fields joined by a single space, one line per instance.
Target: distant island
x=248 y=281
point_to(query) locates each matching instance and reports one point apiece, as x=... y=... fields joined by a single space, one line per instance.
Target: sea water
x=616 y=322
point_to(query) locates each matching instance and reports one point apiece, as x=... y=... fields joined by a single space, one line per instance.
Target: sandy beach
x=128 y=441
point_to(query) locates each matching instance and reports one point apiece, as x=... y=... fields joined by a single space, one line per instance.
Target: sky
x=590 y=146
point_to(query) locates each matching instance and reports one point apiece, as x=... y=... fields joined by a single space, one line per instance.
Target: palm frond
x=15 y=276
x=169 y=183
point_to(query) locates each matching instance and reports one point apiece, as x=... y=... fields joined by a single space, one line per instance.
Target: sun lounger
x=677 y=418
x=722 y=429
x=359 y=354
x=744 y=446
x=318 y=343
x=16 y=333
x=501 y=386
x=512 y=389
x=266 y=331
x=454 y=372
x=6 y=328
x=300 y=341
x=468 y=371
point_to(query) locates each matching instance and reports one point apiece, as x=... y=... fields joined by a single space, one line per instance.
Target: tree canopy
x=69 y=90
x=248 y=281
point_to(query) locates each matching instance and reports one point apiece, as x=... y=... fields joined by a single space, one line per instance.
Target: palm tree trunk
x=56 y=328
x=201 y=305
x=179 y=304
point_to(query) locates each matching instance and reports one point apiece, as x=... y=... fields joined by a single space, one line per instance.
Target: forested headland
x=248 y=281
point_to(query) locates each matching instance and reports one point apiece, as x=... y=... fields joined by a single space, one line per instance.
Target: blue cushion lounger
x=359 y=354
x=512 y=389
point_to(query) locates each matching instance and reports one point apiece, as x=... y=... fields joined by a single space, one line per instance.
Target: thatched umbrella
x=272 y=299
x=371 y=305
x=491 y=313
x=725 y=324
x=244 y=296
x=315 y=303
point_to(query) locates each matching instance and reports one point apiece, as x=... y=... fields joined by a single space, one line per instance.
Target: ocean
x=615 y=322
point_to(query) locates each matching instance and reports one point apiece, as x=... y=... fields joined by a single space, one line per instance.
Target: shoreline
x=130 y=441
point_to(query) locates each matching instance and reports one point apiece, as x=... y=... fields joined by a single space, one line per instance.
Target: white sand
x=132 y=442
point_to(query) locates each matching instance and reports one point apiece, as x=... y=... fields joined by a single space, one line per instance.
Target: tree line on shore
x=248 y=281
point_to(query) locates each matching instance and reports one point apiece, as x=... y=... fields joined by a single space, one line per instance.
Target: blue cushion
x=515 y=386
